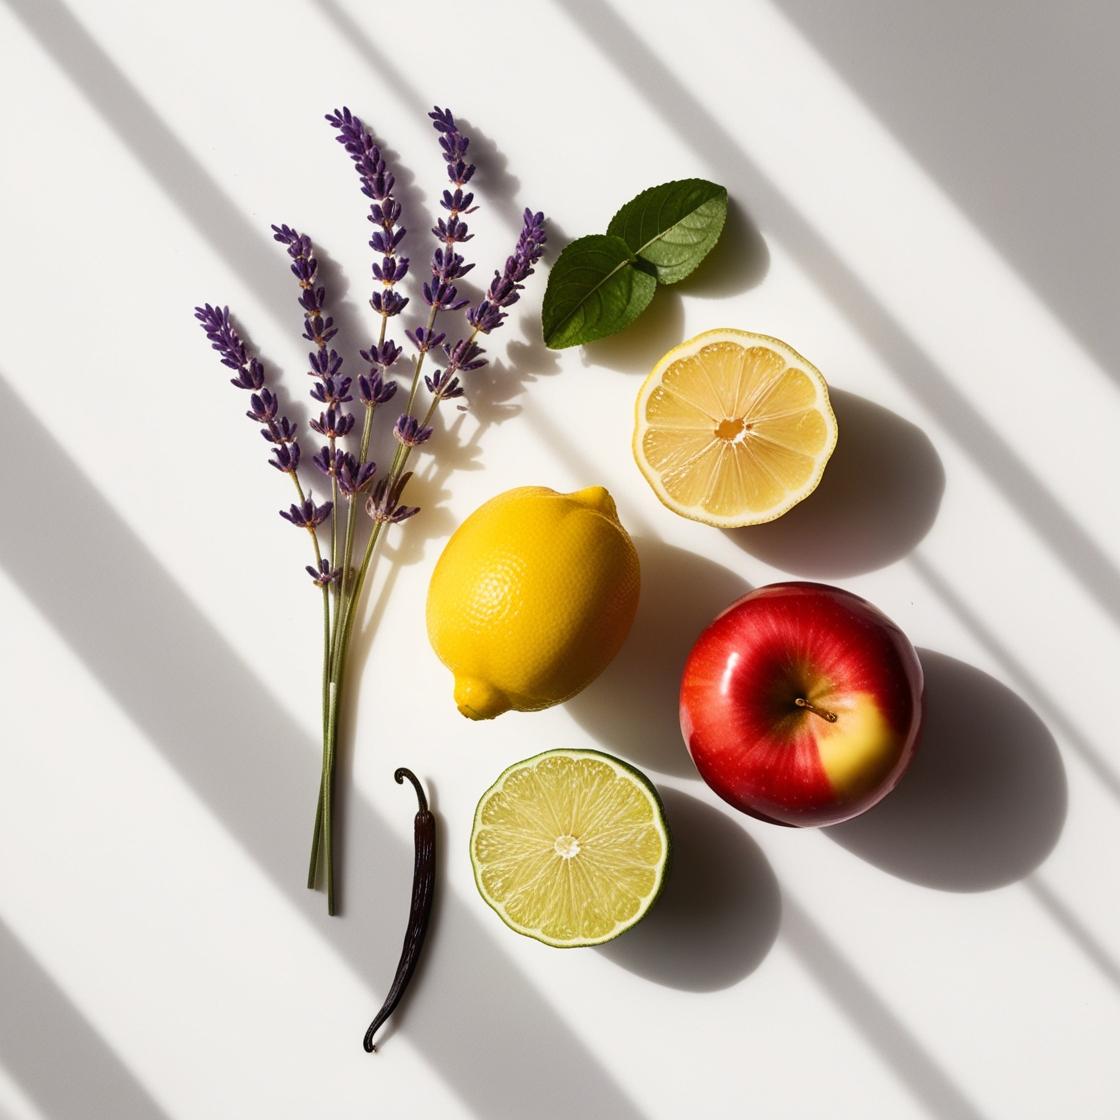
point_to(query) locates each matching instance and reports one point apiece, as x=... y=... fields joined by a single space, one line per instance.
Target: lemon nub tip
x=476 y=699
x=596 y=497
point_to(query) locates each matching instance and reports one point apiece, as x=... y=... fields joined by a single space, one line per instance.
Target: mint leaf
x=594 y=289
x=674 y=226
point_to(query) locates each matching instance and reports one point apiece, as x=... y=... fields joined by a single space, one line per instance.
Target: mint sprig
x=600 y=284
x=594 y=290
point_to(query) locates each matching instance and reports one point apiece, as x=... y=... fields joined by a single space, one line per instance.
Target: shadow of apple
x=984 y=800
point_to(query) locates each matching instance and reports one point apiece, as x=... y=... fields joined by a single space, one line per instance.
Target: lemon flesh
x=733 y=428
x=570 y=847
x=532 y=597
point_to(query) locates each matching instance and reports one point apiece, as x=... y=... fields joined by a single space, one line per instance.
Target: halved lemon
x=570 y=847
x=733 y=428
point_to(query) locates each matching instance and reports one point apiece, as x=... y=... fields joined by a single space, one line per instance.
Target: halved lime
x=570 y=847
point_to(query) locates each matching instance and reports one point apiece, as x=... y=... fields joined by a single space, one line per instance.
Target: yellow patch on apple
x=859 y=749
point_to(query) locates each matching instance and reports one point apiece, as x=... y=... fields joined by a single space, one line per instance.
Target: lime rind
x=623 y=769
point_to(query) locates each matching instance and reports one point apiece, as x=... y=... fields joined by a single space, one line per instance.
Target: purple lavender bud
x=390 y=269
x=285 y=457
x=384 y=355
x=459 y=202
x=307 y=515
x=319 y=330
x=324 y=575
x=465 y=355
x=382 y=242
x=330 y=463
x=384 y=505
x=281 y=431
x=485 y=317
x=425 y=340
x=353 y=479
x=532 y=240
x=332 y=391
x=264 y=406
x=410 y=432
x=451 y=230
x=443 y=296
x=324 y=363
x=448 y=265
x=388 y=303
x=333 y=423
x=312 y=299
x=444 y=385
x=375 y=389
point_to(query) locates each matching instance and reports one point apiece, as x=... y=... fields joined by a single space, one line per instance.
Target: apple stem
x=801 y=702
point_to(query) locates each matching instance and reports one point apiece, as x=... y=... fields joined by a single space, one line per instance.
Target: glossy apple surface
x=801 y=704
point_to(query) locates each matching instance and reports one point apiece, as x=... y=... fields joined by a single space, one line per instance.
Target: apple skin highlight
x=801 y=704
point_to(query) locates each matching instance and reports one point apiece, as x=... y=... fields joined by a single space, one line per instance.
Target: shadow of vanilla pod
x=344 y=543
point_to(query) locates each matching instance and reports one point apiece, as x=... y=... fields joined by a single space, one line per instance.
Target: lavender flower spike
x=505 y=288
x=448 y=265
x=384 y=211
x=264 y=404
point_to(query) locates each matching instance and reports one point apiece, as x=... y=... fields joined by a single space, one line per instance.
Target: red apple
x=801 y=704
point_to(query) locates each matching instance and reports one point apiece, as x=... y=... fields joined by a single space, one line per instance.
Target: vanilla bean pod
x=423 y=886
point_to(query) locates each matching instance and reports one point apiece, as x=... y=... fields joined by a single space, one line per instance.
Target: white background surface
x=923 y=204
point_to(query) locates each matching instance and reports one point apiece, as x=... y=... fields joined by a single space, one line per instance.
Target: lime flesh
x=570 y=847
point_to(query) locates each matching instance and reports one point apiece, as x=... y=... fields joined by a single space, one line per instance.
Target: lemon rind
x=623 y=769
x=687 y=349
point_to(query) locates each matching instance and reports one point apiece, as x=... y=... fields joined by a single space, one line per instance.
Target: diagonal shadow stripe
x=203 y=203
x=1074 y=928
x=480 y=1020
x=1018 y=673
x=621 y=46
x=55 y=1053
x=926 y=73
x=904 y=1056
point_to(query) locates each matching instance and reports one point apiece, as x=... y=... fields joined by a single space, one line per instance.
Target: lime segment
x=570 y=847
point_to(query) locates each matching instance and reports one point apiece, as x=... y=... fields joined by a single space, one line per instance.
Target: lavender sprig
x=448 y=265
x=332 y=389
x=389 y=268
x=489 y=313
x=384 y=211
x=264 y=404
x=352 y=476
x=505 y=288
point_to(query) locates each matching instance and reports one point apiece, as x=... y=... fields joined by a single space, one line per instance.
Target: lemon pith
x=570 y=847
x=733 y=428
x=532 y=597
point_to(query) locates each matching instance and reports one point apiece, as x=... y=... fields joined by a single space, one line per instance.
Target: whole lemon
x=532 y=597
